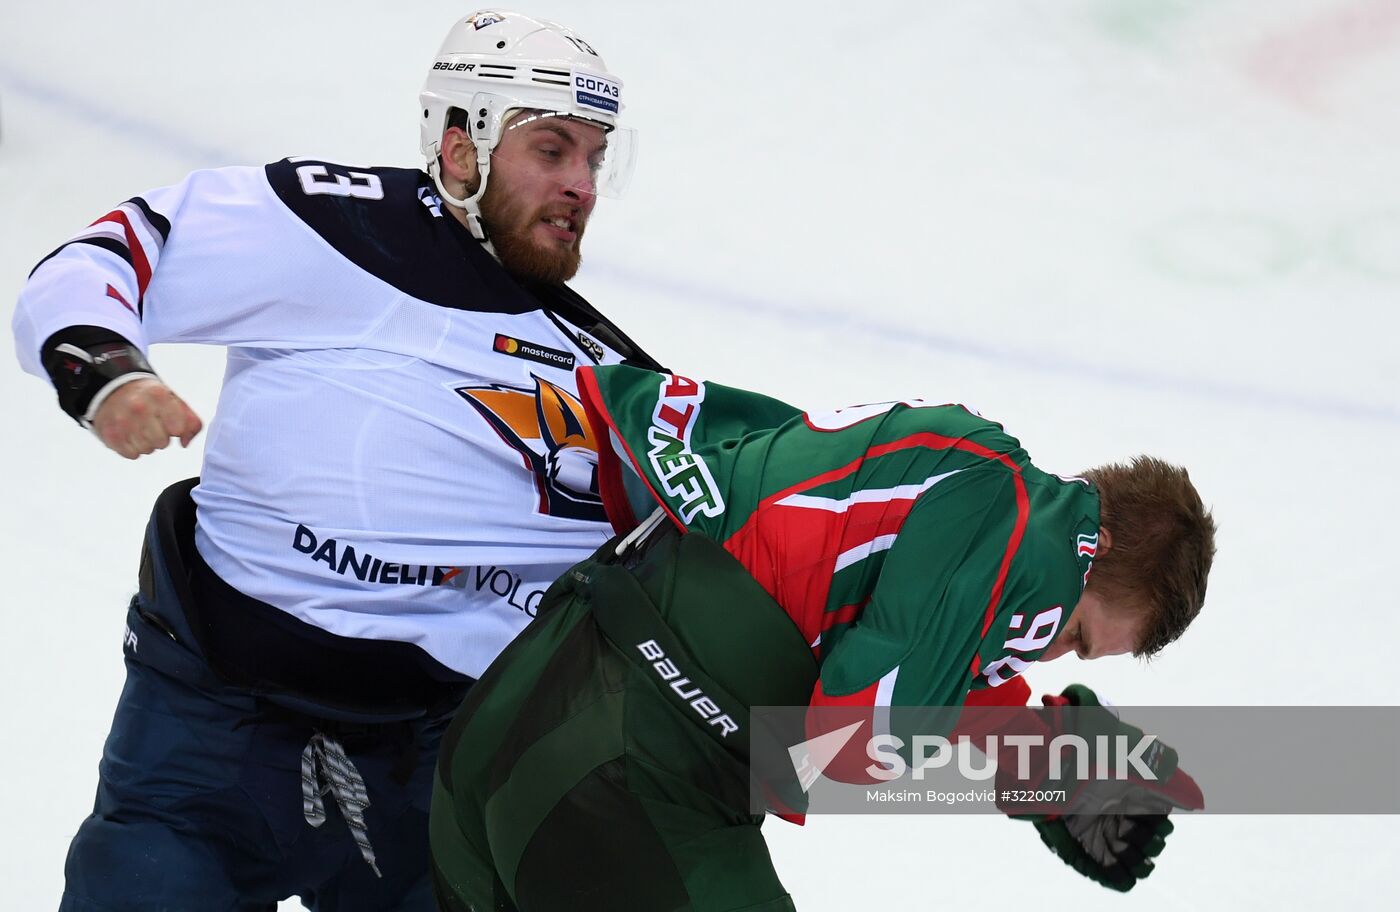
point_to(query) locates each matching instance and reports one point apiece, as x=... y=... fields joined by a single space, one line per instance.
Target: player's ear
x=459 y=157
x=1105 y=540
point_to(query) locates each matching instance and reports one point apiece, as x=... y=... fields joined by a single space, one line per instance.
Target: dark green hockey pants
x=602 y=761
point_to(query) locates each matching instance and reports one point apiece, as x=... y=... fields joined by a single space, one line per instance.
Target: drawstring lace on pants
x=326 y=769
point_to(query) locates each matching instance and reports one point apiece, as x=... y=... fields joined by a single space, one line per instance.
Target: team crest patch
x=1087 y=546
x=546 y=425
x=531 y=351
x=484 y=18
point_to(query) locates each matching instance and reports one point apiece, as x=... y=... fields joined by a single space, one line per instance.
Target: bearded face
x=540 y=194
x=535 y=241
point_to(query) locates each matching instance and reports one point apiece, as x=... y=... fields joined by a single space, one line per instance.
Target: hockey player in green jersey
x=898 y=554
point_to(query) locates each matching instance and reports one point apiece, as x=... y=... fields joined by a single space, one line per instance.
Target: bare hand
x=144 y=416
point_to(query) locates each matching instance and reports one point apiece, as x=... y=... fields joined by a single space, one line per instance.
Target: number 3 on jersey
x=317 y=180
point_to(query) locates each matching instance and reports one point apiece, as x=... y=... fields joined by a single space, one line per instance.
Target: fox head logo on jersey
x=547 y=427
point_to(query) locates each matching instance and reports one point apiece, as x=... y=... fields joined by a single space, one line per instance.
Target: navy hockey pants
x=199 y=807
x=200 y=803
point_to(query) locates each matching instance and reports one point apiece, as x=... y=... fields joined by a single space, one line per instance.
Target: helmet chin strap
x=472 y=204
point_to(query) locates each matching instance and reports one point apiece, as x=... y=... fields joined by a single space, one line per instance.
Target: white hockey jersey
x=398 y=451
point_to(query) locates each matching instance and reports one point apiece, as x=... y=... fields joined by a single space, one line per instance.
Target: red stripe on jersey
x=866 y=522
x=1013 y=544
x=763 y=544
x=610 y=487
x=814 y=538
x=922 y=439
x=1015 y=692
x=844 y=615
x=806 y=603
x=117 y=296
x=985 y=712
x=139 y=262
x=827 y=714
x=792 y=530
x=884 y=413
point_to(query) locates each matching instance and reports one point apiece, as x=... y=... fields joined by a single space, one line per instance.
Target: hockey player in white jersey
x=397 y=469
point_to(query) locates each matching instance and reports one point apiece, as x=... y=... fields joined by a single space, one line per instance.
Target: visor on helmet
x=581 y=154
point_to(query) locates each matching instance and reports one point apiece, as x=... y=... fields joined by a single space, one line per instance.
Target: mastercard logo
x=532 y=351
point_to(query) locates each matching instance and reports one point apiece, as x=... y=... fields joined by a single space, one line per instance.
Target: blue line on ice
x=853 y=321
x=139 y=131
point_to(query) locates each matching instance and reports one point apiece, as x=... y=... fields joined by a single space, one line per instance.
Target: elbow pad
x=87 y=364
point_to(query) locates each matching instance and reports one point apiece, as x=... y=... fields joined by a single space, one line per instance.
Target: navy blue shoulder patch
x=388 y=222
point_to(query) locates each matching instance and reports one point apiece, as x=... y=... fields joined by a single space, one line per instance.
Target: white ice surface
x=1117 y=226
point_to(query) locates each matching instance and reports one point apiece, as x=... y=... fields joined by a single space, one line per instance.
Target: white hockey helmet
x=492 y=63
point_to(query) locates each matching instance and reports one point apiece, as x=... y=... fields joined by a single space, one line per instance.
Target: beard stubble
x=510 y=226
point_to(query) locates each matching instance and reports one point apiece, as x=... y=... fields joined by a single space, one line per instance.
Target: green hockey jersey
x=915 y=546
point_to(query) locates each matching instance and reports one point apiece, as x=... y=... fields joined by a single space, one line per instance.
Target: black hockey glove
x=1115 y=850
x=1111 y=830
x=88 y=363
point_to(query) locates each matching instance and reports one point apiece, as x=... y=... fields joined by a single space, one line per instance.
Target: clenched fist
x=144 y=416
